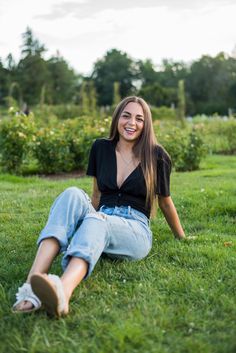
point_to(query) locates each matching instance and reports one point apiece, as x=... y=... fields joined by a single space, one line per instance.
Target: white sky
x=83 y=30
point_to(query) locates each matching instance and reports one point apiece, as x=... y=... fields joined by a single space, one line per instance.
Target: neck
x=125 y=146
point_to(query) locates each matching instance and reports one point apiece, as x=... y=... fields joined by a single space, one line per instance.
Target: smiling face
x=131 y=122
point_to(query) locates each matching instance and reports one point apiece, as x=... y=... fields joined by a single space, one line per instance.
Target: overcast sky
x=83 y=30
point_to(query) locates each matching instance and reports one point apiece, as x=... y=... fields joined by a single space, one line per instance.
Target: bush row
x=65 y=145
x=184 y=144
x=218 y=134
x=62 y=147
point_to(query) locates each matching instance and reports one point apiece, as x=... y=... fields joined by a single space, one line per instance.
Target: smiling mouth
x=130 y=131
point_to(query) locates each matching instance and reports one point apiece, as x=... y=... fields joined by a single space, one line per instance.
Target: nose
x=132 y=120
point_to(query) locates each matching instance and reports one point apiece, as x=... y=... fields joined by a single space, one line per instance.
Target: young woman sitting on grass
x=130 y=171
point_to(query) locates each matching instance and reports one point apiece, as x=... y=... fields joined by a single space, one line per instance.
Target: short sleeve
x=163 y=174
x=92 y=165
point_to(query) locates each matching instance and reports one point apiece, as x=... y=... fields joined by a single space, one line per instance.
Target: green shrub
x=64 y=145
x=194 y=152
x=17 y=132
x=52 y=151
x=218 y=134
x=81 y=132
x=67 y=147
x=61 y=111
x=163 y=113
x=184 y=145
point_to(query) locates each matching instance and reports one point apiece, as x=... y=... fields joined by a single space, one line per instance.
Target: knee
x=73 y=193
x=140 y=253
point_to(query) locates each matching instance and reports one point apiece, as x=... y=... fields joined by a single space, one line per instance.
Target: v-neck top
x=103 y=165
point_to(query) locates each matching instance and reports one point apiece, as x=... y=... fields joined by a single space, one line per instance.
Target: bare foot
x=24 y=306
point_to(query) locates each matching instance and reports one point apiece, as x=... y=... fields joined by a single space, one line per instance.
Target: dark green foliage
x=30 y=82
x=31 y=46
x=114 y=67
x=62 y=83
x=210 y=82
x=157 y=95
x=4 y=82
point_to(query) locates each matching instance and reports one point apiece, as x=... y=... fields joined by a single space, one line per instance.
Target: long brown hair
x=145 y=147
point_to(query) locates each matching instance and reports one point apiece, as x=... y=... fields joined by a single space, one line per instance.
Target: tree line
x=209 y=83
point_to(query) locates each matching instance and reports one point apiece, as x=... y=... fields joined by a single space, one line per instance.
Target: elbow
x=164 y=202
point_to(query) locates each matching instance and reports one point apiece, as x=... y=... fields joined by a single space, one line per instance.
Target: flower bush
x=163 y=113
x=185 y=145
x=218 y=134
x=64 y=145
x=52 y=151
x=67 y=147
x=16 y=134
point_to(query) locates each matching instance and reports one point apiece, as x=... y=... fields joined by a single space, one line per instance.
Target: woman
x=130 y=171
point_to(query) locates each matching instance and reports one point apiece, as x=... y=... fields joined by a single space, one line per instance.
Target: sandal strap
x=25 y=293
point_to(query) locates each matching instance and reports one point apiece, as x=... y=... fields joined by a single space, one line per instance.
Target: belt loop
x=129 y=210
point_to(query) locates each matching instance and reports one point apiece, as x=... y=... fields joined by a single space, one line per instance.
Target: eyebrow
x=136 y=115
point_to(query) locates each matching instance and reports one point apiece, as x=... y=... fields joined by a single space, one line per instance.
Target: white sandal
x=50 y=291
x=25 y=293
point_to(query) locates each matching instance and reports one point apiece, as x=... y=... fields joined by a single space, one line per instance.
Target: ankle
x=67 y=291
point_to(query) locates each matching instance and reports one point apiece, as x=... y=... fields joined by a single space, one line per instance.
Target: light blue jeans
x=83 y=232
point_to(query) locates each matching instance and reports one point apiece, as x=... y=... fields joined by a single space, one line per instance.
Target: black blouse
x=102 y=165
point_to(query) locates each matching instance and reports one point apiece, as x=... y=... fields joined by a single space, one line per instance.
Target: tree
x=32 y=75
x=62 y=80
x=114 y=67
x=146 y=72
x=159 y=87
x=210 y=83
x=4 y=82
x=32 y=72
x=171 y=72
x=31 y=46
x=157 y=95
x=11 y=64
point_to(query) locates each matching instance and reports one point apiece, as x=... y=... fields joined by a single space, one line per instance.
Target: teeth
x=131 y=130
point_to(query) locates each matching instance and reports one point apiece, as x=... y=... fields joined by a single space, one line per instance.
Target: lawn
x=181 y=298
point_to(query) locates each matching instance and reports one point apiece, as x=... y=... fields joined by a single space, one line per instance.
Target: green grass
x=181 y=298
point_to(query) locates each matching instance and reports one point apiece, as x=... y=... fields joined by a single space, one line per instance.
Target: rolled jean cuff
x=57 y=232
x=80 y=254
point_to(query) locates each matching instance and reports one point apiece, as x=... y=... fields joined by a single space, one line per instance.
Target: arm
x=96 y=194
x=168 y=209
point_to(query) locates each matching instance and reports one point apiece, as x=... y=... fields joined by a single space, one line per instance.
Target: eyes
x=139 y=119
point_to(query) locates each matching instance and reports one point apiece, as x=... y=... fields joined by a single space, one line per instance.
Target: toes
x=25 y=305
